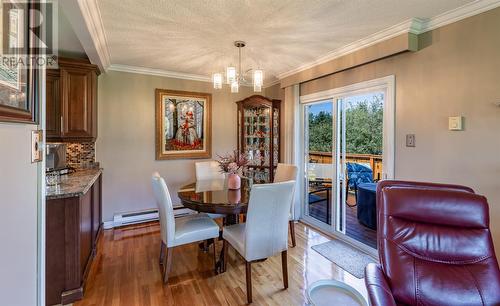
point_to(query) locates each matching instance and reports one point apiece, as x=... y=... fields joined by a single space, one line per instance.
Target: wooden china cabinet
x=259 y=136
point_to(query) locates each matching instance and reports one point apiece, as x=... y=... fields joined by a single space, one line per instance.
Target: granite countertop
x=73 y=185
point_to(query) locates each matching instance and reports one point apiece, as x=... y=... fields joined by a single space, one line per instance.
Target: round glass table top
x=213 y=196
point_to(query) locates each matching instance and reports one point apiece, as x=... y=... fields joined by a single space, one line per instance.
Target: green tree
x=320 y=132
x=364 y=120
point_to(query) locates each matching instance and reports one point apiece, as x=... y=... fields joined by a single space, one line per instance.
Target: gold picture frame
x=183 y=124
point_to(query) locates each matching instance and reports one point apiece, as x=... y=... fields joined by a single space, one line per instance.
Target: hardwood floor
x=126 y=272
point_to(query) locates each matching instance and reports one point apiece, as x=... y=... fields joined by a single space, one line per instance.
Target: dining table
x=213 y=196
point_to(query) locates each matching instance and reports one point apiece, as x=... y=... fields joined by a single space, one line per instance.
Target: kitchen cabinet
x=53 y=105
x=72 y=101
x=73 y=226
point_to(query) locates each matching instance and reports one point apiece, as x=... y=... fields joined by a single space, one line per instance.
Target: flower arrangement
x=232 y=163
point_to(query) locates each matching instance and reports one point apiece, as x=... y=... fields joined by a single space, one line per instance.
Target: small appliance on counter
x=55 y=159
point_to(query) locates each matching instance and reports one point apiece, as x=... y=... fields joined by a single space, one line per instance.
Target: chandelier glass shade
x=236 y=77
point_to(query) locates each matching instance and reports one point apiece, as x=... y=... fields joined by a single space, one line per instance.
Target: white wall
x=18 y=226
x=126 y=141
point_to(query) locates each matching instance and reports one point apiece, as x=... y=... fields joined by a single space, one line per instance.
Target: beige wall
x=457 y=72
x=18 y=229
x=126 y=142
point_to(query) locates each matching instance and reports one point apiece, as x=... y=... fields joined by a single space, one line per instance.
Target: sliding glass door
x=319 y=167
x=348 y=148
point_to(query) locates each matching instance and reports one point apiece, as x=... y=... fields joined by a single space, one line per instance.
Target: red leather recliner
x=435 y=247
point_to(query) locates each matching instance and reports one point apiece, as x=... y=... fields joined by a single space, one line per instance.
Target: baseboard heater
x=142 y=217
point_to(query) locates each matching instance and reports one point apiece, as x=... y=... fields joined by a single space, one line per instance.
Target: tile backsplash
x=80 y=154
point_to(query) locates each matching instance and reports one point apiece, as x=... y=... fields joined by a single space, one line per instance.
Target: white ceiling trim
x=93 y=20
x=468 y=10
x=172 y=74
x=160 y=72
x=415 y=25
x=409 y=26
x=269 y=84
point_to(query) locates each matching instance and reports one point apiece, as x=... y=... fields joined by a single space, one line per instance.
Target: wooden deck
x=354 y=229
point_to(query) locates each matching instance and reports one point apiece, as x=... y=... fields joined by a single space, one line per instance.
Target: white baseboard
x=141 y=217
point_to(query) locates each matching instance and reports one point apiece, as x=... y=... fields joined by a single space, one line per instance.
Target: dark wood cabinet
x=73 y=227
x=97 y=211
x=259 y=136
x=72 y=101
x=53 y=105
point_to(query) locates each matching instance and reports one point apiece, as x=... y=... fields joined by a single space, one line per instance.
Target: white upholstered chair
x=183 y=230
x=265 y=232
x=287 y=172
x=206 y=171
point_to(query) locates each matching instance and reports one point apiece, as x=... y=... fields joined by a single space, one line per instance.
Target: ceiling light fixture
x=235 y=78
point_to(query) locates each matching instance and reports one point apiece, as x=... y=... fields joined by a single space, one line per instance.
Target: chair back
x=165 y=208
x=435 y=244
x=318 y=171
x=285 y=172
x=208 y=170
x=358 y=174
x=266 y=230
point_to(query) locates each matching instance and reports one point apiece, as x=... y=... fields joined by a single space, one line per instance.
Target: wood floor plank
x=126 y=272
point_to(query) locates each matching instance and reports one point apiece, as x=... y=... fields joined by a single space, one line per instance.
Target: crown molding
x=409 y=26
x=160 y=72
x=166 y=73
x=272 y=83
x=414 y=25
x=92 y=17
x=462 y=12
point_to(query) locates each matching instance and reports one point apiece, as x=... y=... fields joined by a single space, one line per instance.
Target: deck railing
x=374 y=161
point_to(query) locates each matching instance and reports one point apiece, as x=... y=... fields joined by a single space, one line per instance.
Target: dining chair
x=206 y=171
x=178 y=231
x=265 y=232
x=287 y=172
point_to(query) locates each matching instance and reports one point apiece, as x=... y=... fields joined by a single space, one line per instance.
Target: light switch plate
x=36 y=146
x=410 y=140
x=455 y=123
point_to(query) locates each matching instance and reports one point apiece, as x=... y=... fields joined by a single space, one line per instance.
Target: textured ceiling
x=196 y=36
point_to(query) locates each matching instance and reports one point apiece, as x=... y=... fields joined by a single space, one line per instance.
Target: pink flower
x=232 y=167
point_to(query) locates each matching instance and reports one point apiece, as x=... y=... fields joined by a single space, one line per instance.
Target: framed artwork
x=18 y=83
x=183 y=124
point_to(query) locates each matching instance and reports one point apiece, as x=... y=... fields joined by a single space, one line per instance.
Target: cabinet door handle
x=62 y=124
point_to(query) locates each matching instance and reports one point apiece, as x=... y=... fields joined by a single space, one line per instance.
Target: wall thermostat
x=455 y=123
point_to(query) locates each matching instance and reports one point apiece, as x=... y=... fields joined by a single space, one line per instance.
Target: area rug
x=345 y=256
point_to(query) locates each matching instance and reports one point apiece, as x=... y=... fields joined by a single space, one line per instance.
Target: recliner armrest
x=379 y=292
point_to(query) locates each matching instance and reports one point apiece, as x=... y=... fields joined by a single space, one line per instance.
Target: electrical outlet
x=410 y=140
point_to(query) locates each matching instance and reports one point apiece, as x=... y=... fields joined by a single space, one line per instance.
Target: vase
x=233 y=181
x=234 y=196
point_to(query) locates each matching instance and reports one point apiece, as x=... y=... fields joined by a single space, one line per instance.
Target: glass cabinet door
x=257 y=141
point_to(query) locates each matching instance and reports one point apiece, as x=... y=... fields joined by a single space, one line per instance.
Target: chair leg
x=284 y=267
x=215 y=257
x=162 y=252
x=292 y=232
x=225 y=246
x=249 y=281
x=167 y=263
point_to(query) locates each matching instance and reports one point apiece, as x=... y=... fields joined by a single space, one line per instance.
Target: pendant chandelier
x=235 y=78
